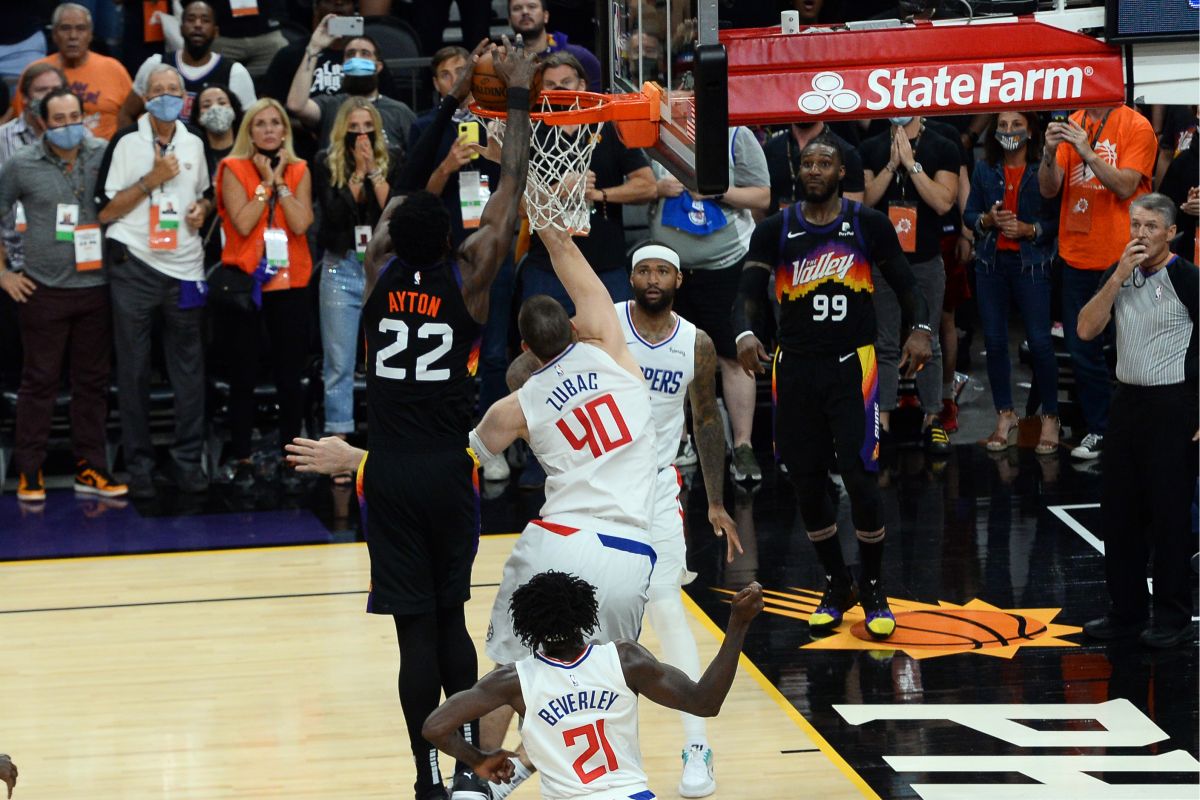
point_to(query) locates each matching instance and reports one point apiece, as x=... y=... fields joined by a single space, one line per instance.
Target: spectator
x=101 y=81
x=1180 y=184
x=62 y=294
x=1014 y=250
x=250 y=34
x=360 y=78
x=529 y=18
x=262 y=181
x=1108 y=156
x=21 y=40
x=352 y=179
x=219 y=114
x=712 y=236
x=782 y=151
x=475 y=18
x=197 y=63
x=36 y=82
x=153 y=194
x=911 y=174
x=1149 y=456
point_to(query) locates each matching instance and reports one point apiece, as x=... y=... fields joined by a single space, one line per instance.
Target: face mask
x=1012 y=141
x=67 y=137
x=165 y=107
x=358 y=66
x=217 y=119
x=352 y=139
x=900 y=121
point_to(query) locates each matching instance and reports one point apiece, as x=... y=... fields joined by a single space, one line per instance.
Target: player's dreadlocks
x=553 y=608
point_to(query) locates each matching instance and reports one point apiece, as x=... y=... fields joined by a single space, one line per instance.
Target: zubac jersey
x=422 y=352
x=590 y=426
x=581 y=725
x=823 y=277
x=669 y=367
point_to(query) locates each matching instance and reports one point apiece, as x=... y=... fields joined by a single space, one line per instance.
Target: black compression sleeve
x=899 y=275
x=748 y=311
x=423 y=159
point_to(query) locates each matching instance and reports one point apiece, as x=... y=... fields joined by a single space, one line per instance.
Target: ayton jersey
x=422 y=352
x=823 y=276
x=581 y=725
x=590 y=426
x=669 y=367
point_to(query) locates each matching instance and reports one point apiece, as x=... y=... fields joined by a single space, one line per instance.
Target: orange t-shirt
x=1094 y=223
x=101 y=82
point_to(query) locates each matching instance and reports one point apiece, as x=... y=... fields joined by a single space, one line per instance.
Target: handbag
x=229 y=288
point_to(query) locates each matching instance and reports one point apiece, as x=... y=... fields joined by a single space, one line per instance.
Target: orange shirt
x=101 y=82
x=1094 y=223
x=245 y=252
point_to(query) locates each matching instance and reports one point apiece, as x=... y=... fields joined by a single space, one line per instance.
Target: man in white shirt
x=153 y=193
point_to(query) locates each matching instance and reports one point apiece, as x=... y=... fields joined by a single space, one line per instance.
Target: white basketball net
x=559 y=158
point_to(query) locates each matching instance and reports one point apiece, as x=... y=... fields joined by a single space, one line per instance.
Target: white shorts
x=616 y=559
x=666 y=531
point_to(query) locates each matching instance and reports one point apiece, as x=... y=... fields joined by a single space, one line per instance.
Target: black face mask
x=360 y=85
x=352 y=139
x=273 y=155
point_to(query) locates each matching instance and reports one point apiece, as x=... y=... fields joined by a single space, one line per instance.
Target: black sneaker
x=469 y=786
x=1108 y=628
x=1090 y=447
x=1161 y=638
x=880 y=622
x=937 y=441
x=243 y=479
x=141 y=486
x=837 y=600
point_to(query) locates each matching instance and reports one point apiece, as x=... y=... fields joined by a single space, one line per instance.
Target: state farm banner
x=955 y=69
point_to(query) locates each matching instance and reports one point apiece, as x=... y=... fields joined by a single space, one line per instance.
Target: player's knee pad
x=866 y=507
x=817 y=508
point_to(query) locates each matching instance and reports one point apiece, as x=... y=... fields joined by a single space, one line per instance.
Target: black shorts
x=826 y=407
x=705 y=299
x=422 y=526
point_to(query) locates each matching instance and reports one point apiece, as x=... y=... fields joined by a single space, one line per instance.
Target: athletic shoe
x=1161 y=638
x=697 y=779
x=520 y=775
x=687 y=454
x=469 y=786
x=31 y=488
x=90 y=479
x=837 y=600
x=937 y=441
x=495 y=469
x=1090 y=447
x=141 y=486
x=880 y=622
x=949 y=415
x=1108 y=628
x=744 y=466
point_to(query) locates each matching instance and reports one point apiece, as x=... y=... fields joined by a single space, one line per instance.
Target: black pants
x=1150 y=467
x=285 y=316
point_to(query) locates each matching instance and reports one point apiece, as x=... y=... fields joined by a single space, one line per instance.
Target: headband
x=661 y=252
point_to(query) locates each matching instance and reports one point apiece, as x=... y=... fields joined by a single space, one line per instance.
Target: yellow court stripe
x=772 y=692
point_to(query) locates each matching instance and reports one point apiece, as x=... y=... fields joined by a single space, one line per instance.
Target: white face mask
x=900 y=122
x=217 y=119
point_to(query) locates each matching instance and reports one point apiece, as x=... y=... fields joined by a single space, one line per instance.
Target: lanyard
x=67 y=170
x=1103 y=122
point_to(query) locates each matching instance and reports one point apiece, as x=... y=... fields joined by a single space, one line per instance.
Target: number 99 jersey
x=823 y=280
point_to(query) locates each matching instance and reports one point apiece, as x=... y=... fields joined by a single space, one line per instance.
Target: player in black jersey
x=423 y=314
x=824 y=376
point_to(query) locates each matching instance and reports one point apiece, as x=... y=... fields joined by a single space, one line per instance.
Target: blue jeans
x=342 y=288
x=998 y=287
x=493 y=355
x=544 y=281
x=1092 y=380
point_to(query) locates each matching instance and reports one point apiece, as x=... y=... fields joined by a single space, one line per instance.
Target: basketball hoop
x=564 y=133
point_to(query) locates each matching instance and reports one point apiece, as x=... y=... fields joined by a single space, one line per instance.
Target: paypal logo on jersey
x=667 y=381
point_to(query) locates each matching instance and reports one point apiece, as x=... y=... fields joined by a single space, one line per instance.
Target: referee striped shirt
x=1156 y=325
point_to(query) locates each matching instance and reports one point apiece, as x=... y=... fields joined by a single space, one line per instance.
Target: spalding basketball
x=491 y=92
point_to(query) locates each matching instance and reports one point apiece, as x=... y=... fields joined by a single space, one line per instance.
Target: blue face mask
x=67 y=137
x=900 y=121
x=165 y=107
x=358 y=66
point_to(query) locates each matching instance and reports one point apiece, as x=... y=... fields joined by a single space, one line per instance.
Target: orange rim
x=593 y=107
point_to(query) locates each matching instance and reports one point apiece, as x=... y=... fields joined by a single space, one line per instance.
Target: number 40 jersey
x=591 y=427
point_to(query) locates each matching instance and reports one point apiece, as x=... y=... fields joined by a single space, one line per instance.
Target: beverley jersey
x=581 y=725
x=590 y=426
x=669 y=367
x=422 y=351
x=823 y=276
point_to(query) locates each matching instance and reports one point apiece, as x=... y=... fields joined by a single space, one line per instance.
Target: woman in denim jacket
x=1015 y=243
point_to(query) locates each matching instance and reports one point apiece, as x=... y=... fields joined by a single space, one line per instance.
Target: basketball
x=490 y=91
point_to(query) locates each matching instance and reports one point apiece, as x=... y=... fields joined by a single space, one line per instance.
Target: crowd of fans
x=184 y=198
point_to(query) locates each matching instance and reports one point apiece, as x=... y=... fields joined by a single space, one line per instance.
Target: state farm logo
x=917 y=88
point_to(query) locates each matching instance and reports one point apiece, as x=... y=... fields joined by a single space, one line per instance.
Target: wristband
x=922 y=326
x=518 y=98
x=476 y=444
x=142 y=185
x=737 y=339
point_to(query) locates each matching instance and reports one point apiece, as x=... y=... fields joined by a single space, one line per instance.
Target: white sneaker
x=1090 y=447
x=496 y=469
x=697 y=779
x=687 y=454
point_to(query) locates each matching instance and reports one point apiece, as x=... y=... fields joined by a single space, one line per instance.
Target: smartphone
x=1060 y=116
x=468 y=133
x=346 y=26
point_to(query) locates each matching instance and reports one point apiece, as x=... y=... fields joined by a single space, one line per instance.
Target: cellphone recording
x=468 y=133
x=346 y=26
x=1060 y=116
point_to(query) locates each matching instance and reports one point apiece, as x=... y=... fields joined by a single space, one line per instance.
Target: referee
x=1149 y=459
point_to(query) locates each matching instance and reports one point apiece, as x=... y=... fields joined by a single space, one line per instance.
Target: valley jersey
x=669 y=367
x=822 y=275
x=581 y=725
x=590 y=426
x=422 y=352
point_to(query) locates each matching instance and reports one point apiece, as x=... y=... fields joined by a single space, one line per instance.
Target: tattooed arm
x=710 y=441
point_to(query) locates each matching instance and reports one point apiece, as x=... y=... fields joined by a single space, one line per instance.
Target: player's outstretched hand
x=752 y=355
x=514 y=64
x=462 y=87
x=329 y=456
x=918 y=349
x=496 y=766
x=746 y=604
x=724 y=526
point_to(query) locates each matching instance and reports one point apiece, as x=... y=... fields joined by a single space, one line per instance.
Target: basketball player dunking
x=579 y=700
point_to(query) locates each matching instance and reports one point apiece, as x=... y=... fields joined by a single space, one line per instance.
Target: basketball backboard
x=674 y=44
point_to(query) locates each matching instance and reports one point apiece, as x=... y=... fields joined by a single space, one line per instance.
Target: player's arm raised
x=481 y=255
x=443 y=728
x=710 y=441
x=669 y=687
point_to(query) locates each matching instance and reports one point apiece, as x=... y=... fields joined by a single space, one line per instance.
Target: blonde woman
x=353 y=179
x=264 y=197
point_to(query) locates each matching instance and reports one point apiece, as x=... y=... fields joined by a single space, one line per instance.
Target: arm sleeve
x=423 y=156
x=896 y=271
x=242 y=85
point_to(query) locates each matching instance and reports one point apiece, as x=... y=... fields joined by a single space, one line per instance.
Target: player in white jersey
x=579 y=700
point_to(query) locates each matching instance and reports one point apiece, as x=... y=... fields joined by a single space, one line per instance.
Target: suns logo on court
x=927 y=631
